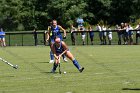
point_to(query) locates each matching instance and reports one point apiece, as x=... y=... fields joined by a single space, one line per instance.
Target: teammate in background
x=59 y=48
x=104 y=34
x=73 y=34
x=109 y=35
x=2 y=38
x=53 y=31
x=130 y=34
x=91 y=34
x=137 y=33
x=83 y=33
x=98 y=28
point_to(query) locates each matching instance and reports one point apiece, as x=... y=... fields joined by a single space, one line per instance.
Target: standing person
x=109 y=34
x=137 y=33
x=104 y=34
x=35 y=36
x=2 y=38
x=73 y=34
x=98 y=28
x=119 y=32
x=83 y=33
x=59 y=48
x=91 y=34
x=126 y=39
x=130 y=34
x=53 y=31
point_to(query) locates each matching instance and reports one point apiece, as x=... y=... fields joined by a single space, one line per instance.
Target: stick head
x=15 y=67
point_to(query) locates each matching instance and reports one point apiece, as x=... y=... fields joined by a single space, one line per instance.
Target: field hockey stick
x=59 y=66
x=14 y=66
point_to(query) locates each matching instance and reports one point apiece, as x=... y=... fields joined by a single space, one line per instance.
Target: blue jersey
x=2 y=34
x=60 y=49
x=55 y=32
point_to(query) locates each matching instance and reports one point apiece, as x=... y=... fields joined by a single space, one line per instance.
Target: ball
x=65 y=72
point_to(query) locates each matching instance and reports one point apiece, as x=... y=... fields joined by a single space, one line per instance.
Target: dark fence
x=27 y=38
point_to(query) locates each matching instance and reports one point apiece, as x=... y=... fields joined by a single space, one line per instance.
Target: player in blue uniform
x=59 y=48
x=53 y=31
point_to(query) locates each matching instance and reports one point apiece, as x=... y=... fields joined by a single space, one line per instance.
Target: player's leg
x=3 y=41
x=55 y=65
x=51 y=53
x=75 y=62
x=51 y=57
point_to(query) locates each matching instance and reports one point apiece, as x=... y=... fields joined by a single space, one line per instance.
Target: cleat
x=51 y=61
x=81 y=69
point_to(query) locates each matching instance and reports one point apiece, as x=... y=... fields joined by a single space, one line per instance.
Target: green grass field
x=108 y=69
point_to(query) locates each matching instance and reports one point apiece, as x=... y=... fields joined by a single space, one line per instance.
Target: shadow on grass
x=6 y=76
x=42 y=62
x=133 y=89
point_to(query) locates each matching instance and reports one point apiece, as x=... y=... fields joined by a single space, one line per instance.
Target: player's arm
x=48 y=33
x=61 y=28
x=65 y=48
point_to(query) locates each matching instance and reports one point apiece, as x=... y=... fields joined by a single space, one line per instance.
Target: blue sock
x=51 y=55
x=75 y=62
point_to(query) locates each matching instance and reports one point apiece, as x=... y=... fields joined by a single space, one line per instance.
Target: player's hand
x=64 y=37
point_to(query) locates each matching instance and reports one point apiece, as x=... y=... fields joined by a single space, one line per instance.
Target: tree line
x=26 y=14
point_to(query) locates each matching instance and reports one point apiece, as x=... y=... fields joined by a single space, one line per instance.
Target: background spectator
x=109 y=35
x=98 y=28
x=137 y=33
x=83 y=33
x=73 y=34
x=35 y=36
x=104 y=34
x=91 y=34
x=2 y=37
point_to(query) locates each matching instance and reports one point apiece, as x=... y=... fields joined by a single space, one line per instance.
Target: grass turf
x=108 y=69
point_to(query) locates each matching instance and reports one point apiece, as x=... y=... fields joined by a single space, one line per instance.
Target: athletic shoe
x=51 y=61
x=52 y=71
x=65 y=60
x=81 y=69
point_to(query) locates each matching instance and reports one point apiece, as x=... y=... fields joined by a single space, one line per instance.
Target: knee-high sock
x=51 y=55
x=54 y=66
x=75 y=62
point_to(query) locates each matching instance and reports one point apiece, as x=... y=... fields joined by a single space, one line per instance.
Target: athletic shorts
x=110 y=36
x=1 y=37
x=58 y=53
x=83 y=37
